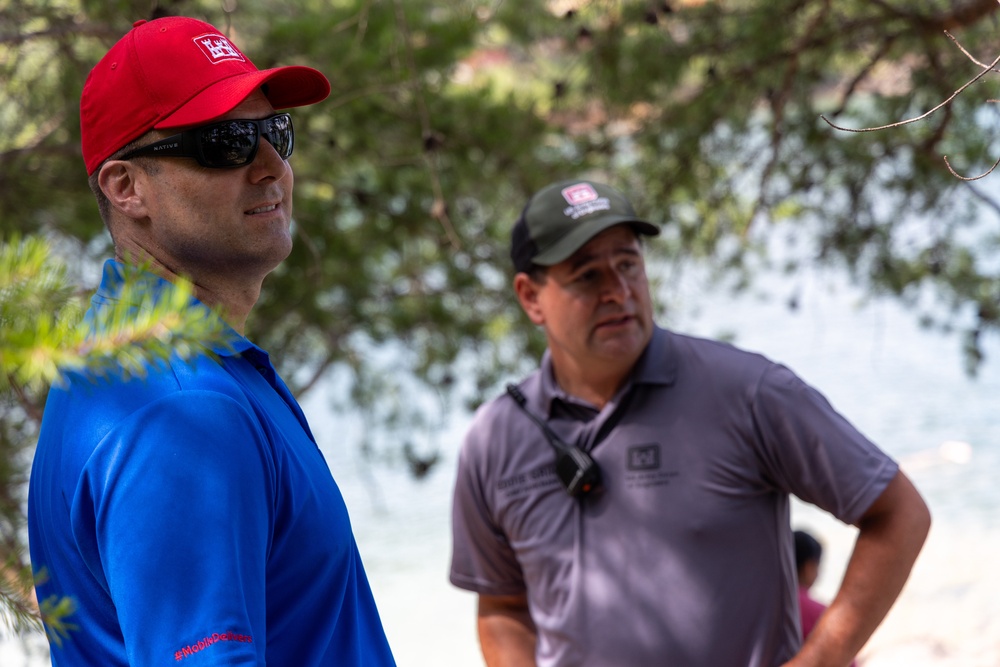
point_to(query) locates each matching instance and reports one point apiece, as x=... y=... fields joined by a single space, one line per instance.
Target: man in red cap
x=189 y=514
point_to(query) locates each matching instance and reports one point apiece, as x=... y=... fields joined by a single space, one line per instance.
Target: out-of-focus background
x=394 y=314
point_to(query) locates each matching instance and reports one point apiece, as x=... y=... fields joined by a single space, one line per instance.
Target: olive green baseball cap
x=560 y=218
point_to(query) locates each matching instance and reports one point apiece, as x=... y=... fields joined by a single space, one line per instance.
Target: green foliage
x=17 y=608
x=55 y=611
x=42 y=338
x=36 y=314
x=446 y=116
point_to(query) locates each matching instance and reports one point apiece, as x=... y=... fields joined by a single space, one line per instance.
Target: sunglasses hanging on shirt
x=226 y=144
x=575 y=468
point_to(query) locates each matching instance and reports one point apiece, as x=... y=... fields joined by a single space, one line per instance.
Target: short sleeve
x=810 y=450
x=193 y=472
x=482 y=558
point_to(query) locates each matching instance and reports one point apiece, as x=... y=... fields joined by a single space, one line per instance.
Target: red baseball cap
x=173 y=72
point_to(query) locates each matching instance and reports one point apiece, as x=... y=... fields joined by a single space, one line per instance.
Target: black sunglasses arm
x=177 y=145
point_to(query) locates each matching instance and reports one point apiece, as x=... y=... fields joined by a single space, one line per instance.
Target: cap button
x=138 y=23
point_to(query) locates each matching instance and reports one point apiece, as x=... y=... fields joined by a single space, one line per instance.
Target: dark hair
x=807 y=548
x=538 y=273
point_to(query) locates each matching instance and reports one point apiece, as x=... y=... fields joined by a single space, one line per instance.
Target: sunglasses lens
x=278 y=131
x=234 y=143
x=229 y=144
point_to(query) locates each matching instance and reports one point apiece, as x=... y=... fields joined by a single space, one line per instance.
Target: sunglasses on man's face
x=226 y=144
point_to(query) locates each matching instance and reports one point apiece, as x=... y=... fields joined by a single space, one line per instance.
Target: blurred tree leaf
x=41 y=339
x=445 y=117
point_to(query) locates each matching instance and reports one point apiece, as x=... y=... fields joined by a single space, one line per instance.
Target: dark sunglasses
x=226 y=144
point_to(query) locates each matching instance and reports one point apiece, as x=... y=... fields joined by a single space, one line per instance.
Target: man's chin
x=622 y=342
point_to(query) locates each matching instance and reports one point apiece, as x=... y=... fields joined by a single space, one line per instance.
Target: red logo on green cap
x=579 y=193
x=583 y=200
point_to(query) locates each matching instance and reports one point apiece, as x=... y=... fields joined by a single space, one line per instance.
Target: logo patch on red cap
x=218 y=48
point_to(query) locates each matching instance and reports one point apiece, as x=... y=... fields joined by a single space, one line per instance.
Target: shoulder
x=195 y=424
x=178 y=402
x=199 y=438
x=112 y=396
x=499 y=429
x=488 y=424
x=710 y=366
x=716 y=354
x=723 y=362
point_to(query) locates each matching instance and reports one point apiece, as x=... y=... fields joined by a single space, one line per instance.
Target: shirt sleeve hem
x=486 y=587
x=875 y=488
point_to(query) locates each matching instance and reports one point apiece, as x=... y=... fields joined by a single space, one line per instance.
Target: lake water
x=902 y=386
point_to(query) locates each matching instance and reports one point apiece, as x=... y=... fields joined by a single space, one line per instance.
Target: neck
x=234 y=303
x=594 y=385
x=232 y=298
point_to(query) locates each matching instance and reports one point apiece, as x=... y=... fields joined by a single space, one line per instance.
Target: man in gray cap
x=628 y=502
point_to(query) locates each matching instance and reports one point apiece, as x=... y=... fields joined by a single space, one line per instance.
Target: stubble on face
x=596 y=307
x=226 y=223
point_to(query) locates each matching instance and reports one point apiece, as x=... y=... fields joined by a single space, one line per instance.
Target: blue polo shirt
x=193 y=520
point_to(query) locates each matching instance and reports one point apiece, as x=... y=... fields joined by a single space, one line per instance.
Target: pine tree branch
x=41 y=338
x=922 y=116
x=430 y=138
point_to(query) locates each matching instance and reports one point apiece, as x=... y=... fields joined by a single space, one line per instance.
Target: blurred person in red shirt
x=808 y=554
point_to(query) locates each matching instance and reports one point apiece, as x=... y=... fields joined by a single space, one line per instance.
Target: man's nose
x=615 y=286
x=268 y=163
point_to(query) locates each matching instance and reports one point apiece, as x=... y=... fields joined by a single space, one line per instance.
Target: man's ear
x=122 y=183
x=527 y=291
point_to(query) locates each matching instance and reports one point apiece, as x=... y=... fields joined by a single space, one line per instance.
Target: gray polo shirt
x=685 y=558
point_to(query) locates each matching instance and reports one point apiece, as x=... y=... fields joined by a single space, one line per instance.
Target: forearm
x=506 y=632
x=890 y=536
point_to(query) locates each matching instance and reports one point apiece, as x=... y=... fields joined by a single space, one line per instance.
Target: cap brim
x=579 y=237
x=291 y=86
